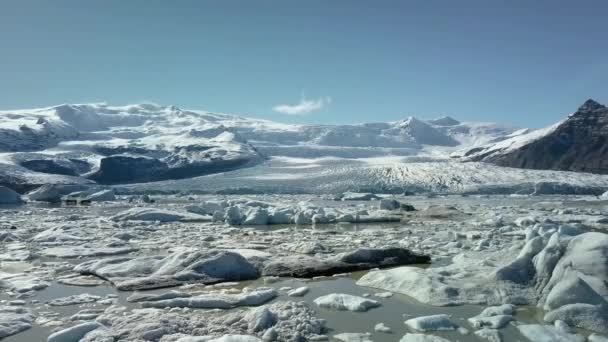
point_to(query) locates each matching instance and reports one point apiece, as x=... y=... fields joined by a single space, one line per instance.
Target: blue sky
x=523 y=62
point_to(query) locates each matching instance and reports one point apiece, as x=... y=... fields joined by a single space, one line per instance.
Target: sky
x=521 y=62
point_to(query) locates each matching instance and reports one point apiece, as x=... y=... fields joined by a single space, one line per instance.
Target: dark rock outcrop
x=126 y=169
x=579 y=144
x=139 y=169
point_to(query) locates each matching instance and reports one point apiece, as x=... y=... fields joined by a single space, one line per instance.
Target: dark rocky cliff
x=579 y=144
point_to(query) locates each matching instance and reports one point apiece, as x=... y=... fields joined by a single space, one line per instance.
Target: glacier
x=149 y=147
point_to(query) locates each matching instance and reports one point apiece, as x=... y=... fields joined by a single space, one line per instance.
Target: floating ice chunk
x=53 y=192
x=147 y=297
x=59 y=233
x=14 y=320
x=586 y=316
x=358 y=196
x=79 y=280
x=353 y=337
x=422 y=338
x=308 y=247
x=260 y=319
x=490 y=335
x=381 y=327
x=431 y=323
x=256 y=216
x=280 y=215
x=73 y=334
x=299 y=292
x=493 y=322
x=16 y=251
x=547 y=333
x=154 y=214
x=87 y=250
x=21 y=282
x=234 y=338
x=74 y=300
x=494 y=317
x=217 y=301
x=415 y=282
x=525 y=221
x=571 y=290
x=343 y=302
x=208 y=207
x=178 y=268
x=234 y=215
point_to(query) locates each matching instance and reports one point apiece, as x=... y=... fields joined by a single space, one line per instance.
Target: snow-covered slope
x=510 y=143
x=148 y=142
x=119 y=144
x=165 y=146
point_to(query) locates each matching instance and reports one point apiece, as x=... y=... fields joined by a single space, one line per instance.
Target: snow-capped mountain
x=577 y=143
x=148 y=143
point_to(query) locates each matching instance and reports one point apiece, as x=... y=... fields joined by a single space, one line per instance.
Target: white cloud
x=304 y=107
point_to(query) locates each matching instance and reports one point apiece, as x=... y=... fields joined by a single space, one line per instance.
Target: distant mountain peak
x=444 y=121
x=578 y=143
x=590 y=105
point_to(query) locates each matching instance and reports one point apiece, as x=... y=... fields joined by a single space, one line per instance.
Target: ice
x=16 y=251
x=93 y=195
x=360 y=259
x=356 y=196
x=431 y=323
x=493 y=322
x=8 y=196
x=490 y=335
x=78 y=280
x=586 y=316
x=572 y=290
x=494 y=317
x=73 y=334
x=216 y=301
x=153 y=214
x=21 y=282
x=294 y=320
x=422 y=338
x=342 y=302
x=260 y=319
x=353 y=337
x=381 y=327
x=178 y=268
x=299 y=292
x=236 y=338
x=547 y=333
x=575 y=291
x=144 y=297
x=88 y=250
x=74 y=300
x=14 y=320
x=53 y=192
x=214 y=271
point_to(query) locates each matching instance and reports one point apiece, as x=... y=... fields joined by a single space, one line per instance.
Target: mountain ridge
x=578 y=143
